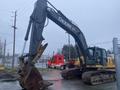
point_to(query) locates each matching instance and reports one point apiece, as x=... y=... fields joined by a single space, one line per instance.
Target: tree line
x=69 y=49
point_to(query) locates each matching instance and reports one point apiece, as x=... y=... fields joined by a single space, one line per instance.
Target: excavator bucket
x=40 y=51
x=30 y=77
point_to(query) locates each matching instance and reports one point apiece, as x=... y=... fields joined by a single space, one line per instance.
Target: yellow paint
x=110 y=63
x=2 y=67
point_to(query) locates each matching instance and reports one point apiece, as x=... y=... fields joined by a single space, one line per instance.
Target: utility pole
x=3 y=61
x=69 y=46
x=14 y=28
x=117 y=60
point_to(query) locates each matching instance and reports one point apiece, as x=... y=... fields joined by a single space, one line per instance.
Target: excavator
x=92 y=68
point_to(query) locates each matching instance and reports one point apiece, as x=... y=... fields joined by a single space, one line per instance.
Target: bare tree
x=65 y=52
x=1 y=49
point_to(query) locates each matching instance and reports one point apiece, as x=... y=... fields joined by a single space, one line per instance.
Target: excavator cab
x=96 y=56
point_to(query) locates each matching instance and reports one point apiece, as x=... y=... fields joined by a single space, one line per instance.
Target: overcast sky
x=99 y=20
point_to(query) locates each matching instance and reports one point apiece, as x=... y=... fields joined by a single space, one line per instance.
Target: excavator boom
x=61 y=20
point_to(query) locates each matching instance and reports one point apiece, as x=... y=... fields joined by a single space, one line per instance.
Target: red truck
x=57 y=61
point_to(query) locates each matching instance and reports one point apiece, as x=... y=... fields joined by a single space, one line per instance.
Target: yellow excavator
x=92 y=68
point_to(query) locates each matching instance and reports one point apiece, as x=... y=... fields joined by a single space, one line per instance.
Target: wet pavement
x=60 y=84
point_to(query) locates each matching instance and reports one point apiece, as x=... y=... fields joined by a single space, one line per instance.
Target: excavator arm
x=61 y=20
x=37 y=21
x=41 y=11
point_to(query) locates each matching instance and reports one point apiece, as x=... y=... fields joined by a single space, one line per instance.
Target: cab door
x=101 y=56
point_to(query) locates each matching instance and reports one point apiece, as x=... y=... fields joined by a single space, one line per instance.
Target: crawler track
x=98 y=77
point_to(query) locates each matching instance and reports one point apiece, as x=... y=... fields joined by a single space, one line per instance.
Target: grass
x=10 y=70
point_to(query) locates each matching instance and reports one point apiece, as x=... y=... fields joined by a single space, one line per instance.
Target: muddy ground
x=59 y=83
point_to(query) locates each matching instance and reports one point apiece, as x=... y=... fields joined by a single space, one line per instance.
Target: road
x=60 y=84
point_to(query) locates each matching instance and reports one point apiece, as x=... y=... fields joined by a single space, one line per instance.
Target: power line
x=105 y=42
